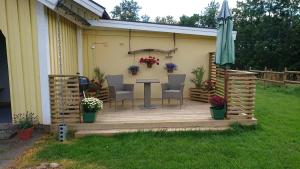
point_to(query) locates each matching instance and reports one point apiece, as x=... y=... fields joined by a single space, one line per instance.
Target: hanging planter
x=170 y=67
x=149 y=61
x=133 y=69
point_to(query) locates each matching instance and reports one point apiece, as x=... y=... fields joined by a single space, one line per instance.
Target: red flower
x=149 y=60
x=217 y=101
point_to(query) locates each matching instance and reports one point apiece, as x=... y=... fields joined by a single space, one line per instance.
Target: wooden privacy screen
x=64 y=98
x=241 y=89
x=212 y=67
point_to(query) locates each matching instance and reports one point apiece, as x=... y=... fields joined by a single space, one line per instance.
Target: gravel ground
x=12 y=148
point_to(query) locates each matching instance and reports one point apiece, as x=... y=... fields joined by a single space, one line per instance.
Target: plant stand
x=201 y=95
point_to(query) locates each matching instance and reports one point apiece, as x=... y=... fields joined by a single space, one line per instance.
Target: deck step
x=82 y=133
x=207 y=123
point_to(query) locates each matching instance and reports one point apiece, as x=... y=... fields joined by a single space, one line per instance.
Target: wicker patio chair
x=118 y=91
x=174 y=88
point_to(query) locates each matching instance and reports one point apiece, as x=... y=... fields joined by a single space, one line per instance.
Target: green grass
x=274 y=143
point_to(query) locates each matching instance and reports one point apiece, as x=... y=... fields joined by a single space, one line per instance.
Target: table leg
x=147 y=95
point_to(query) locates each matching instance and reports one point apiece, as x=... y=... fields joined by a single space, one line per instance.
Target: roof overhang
x=78 y=11
x=153 y=27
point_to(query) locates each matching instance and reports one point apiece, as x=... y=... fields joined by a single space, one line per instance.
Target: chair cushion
x=172 y=91
x=123 y=92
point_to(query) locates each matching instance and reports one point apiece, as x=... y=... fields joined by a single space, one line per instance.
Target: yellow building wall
x=69 y=45
x=108 y=50
x=18 y=24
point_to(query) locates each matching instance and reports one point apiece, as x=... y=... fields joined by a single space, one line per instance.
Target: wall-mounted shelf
x=153 y=50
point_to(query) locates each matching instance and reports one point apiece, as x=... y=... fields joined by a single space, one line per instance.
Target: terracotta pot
x=149 y=65
x=25 y=134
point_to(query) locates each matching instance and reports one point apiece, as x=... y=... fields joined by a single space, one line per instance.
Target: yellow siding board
x=18 y=24
x=69 y=45
x=27 y=57
x=14 y=46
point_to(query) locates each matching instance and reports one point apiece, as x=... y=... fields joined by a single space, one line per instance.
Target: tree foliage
x=208 y=16
x=165 y=20
x=127 y=10
x=192 y=21
x=268 y=34
x=145 y=18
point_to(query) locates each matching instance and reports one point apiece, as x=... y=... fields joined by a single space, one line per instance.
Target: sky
x=174 y=8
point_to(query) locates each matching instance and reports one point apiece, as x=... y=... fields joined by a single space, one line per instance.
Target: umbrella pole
x=226 y=90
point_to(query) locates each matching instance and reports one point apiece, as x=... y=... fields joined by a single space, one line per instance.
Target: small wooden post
x=285 y=76
x=265 y=77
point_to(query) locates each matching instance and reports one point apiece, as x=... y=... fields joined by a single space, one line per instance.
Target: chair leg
x=109 y=102
x=115 y=105
x=132 y=103
x=162 y=102
x=122 y=102
x=179 y=103
x=169 y=100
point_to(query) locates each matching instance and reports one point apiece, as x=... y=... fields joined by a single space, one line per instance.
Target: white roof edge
x=85 y=3
x=155 y=27
x=91 y=6
x=49 y=3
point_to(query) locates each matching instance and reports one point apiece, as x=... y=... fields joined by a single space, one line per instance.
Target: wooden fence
x=238 y=88
x=285 y=77
x=64 y=99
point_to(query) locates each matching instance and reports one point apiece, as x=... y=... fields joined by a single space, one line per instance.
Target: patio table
x=147 y=92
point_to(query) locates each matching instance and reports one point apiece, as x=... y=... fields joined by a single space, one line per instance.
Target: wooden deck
x=192 y=116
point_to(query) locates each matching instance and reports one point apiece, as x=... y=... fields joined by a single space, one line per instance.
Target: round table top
x=147 y=81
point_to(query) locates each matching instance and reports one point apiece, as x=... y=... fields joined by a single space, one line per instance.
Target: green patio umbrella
x=225 y=56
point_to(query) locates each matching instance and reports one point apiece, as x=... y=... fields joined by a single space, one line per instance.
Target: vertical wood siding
x=18 y=24
x=69 y=45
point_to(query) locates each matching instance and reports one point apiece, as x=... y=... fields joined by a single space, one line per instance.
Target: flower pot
x=89 y=117
x=25 y=134
x=170 y=70
x=134 y=72
x=217 y=113
x=149 y=65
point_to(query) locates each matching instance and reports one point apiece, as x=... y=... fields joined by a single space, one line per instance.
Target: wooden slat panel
x=64 y=98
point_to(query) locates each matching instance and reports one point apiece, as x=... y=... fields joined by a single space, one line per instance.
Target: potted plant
x=133 y=69
x=170 y=67
x=198 y=73
x=99 y=76
x=25 y=123
x=218 y=108
x=90 y=107
x=149 y=61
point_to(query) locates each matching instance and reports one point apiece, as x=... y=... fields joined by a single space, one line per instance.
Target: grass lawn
x=275 y=143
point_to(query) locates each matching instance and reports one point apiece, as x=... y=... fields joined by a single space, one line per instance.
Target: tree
x=268 y=34
x=192 y=21
x=145 y=18
x=208 y=16
x=206 y=19
x=127 y=11
x=165 y=20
